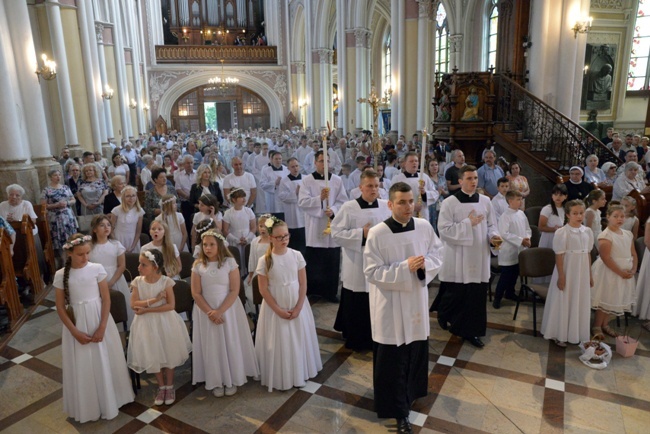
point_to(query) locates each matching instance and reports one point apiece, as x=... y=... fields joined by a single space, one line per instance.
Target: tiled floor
x=516 y=384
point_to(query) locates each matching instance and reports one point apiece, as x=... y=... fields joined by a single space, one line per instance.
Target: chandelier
x=222 y=82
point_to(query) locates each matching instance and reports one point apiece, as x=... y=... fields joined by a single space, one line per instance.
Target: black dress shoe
x=443 y=323
x=475 y=341
x=404 y=426
x=512 y=297
x=496 y=303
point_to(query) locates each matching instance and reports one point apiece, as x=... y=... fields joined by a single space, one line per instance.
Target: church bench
x=8 y=288
x=25 y=260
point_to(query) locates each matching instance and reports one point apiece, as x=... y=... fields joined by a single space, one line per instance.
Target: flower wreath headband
x=234 y=190
x=150 y=256
x=70 y=244
x=165 y=202
x=203 y=229
x=213 y=233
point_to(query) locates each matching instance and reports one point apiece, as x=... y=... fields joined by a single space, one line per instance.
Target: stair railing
x=549 y=131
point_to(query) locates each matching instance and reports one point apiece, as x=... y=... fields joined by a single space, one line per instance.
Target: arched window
x=442 y=40
x=493 y=20
x=637 y=76
x=387 y=77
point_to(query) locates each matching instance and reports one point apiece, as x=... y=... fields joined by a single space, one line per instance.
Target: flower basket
x=626 y=346
x=595 y=354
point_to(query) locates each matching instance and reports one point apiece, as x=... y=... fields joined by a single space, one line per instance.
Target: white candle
x=424 y=151
x=325 y=158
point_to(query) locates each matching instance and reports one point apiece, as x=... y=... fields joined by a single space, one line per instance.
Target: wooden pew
x=8 y=287
x=46 y=239
x=25 y=259
x=642 y=209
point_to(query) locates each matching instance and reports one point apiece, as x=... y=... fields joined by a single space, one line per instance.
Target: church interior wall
x=111 y=74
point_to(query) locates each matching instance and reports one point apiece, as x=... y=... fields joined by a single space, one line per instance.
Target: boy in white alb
x=499 y=203
x=515 y=231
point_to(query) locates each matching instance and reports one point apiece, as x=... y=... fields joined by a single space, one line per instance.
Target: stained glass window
x=637 y=76
x=442 y=40
x=387 y=76
x=493 y=19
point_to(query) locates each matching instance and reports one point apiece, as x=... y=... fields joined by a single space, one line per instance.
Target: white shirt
x=430 y=189
x=184 y=181
x=246 y=182
x=288 y=194
x=513 y=227
x=268 y=179
x=499 y=204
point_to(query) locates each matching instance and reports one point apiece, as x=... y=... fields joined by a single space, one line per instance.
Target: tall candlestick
x=325 y=158
x=424 y=151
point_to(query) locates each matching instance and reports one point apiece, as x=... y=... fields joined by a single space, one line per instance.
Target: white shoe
x=230 y=391
x=218 y=392
x=258 y=377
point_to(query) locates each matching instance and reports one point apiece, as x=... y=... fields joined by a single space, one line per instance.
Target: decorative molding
x=362 y=37
x=297 y=67
x=425 y=8
x=603 y=38
x=277 y=81
x=606 y=4
x=99 y=31
x=455 y=43
x=325 y=55
x=159 y=82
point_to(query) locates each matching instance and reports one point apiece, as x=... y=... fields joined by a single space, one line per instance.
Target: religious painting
x=597 y=89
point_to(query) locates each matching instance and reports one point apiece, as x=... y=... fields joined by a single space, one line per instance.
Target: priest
x=467 y=225
x=426 y=194
x=270 y=178
x=320 y=200
x=350 y=230
x=402 y=255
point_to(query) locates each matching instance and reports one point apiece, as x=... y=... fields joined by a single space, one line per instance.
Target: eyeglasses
x=282 y=237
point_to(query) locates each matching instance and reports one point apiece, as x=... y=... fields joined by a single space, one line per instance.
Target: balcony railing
x=212 y=54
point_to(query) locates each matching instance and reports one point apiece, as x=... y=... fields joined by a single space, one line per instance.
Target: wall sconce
x=586 y=69
x=48 y=70
x=108 y=92
x=185 y=36
x=145 y=107
x=582 y=26
x=302 y=103
x=133 y=104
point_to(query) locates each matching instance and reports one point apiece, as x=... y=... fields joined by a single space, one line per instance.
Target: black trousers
x=507 y=281
x=297 y=241
x=323 y=269
x=187 y=209
x=400 y=376
x=462 y=305
x=353 y=320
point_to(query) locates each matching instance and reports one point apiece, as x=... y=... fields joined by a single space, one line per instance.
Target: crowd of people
x=315 y=214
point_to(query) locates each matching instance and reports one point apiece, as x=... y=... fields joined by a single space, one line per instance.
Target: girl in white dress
x=631 y=222
x=239 y=224
x=200 y=228
x=595 y=200
x=567 y=312
x=95 y=378
x=551 y=218
x=642 y=307
x=613 y=272
x=259 y=246
x=175 y=222
x=159 y=340
x=161 y=241
x=127 y=220
x=224 y=354
x=208 y=209
x=110 y=253
x=285 y=343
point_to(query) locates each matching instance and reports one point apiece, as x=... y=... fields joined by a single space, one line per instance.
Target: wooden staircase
x=539 y=135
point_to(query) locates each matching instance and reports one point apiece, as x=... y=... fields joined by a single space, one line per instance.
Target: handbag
x=84 y=223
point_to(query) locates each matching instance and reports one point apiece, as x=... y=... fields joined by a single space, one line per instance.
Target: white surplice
x=268 y=178
x=430 y=189
x=314 y=209
x=288 y=194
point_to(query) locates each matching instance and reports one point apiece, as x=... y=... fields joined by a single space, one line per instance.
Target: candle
x=424 y=151
x=325 y=158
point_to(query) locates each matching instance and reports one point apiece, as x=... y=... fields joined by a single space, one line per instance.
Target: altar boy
x=402 y=255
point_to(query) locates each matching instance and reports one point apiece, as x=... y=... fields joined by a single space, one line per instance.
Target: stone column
x=425 y=8
x=141 y=38
x=298 y=78
x=137 y=83
x=29 y=89
x=101 y=62
x=309 y=70
x=14 y=155
x=362 y=39
x=342 y=62
x=322 y=82
x=87 y=40
x=122 y=87
x=455 y=50
x=62 y=75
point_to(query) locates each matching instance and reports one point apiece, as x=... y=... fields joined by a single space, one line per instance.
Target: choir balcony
x=213 y=54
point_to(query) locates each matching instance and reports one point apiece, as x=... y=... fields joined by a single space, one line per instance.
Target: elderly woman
x=204 y=185
x=628 y=181
x=145 y=173
x=576 y=186
x=609 y=169
x=518 y=182
x=153 y=197
x=119 y=167
x=168 y=164
x=593 y=173
x=58 y=200
x=114 y=198
x=92 y=190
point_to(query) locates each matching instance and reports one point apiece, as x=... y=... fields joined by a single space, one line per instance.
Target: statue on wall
x=444 y=106
x=597 y=86
x=471 y=106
